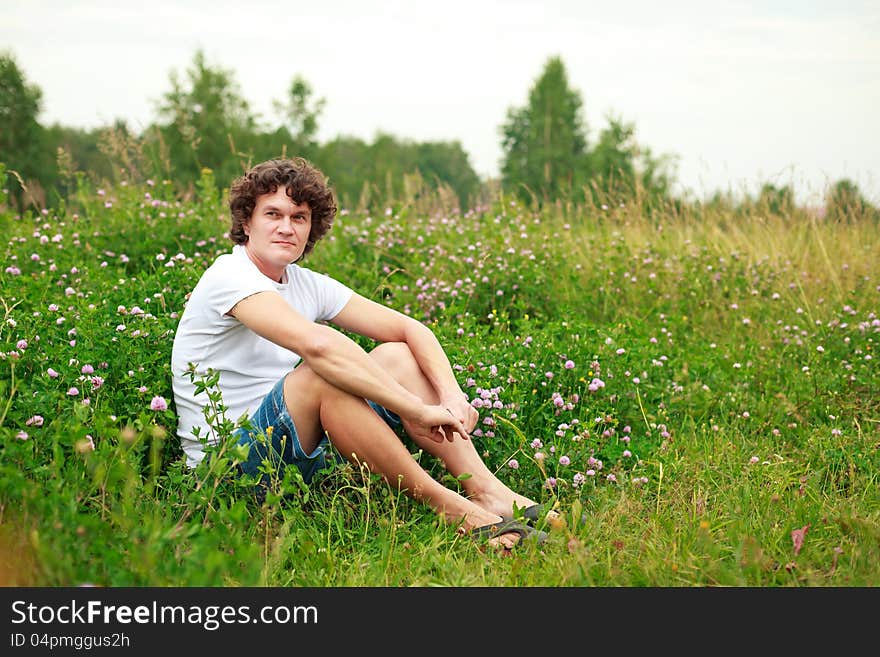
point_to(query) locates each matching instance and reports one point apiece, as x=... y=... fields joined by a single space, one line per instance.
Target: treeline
x=204 y=122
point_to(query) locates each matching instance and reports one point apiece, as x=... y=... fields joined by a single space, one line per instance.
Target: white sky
x=742 y=92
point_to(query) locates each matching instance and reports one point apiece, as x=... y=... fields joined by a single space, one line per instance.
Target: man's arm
x=340 y=361
x=373 y=320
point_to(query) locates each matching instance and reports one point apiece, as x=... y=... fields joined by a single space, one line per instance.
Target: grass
x=710 y=379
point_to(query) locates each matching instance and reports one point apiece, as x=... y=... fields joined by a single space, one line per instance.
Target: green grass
x=741 y=399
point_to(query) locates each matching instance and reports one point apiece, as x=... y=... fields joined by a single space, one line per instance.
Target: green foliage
x=544 y=142
x=777 y=201
x=844 y=202
x=688 y=397
x=205 y=119
x=622 y=171
x=300 y=113
x=21 y=139
x=375 y=175
x=547 y=158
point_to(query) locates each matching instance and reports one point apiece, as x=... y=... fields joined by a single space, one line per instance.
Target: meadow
x=695 y=391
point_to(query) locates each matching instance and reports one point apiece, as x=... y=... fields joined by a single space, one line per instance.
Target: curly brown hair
x=303 y=182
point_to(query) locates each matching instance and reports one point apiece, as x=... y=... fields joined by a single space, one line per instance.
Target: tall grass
x=696 y=391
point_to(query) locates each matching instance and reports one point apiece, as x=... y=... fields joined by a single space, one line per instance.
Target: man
x=259 y=320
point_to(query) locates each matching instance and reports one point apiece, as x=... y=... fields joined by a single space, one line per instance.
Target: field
x=696 y=391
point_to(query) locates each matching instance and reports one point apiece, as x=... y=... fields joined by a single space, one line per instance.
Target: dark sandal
x=508 y=526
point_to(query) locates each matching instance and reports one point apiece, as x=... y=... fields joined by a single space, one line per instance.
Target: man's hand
x=436 y=423
x=461 y=409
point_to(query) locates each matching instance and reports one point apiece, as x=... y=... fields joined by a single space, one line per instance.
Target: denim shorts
x=281 y=447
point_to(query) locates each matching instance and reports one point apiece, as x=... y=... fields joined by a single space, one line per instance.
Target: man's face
x=277 y=232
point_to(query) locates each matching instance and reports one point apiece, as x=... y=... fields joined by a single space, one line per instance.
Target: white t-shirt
x=249 y=365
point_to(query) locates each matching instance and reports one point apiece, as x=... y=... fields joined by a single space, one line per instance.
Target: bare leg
x=362 y=436
x=458 y=456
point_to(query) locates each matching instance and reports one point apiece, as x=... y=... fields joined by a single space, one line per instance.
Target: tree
x=207 y=122
x=612 y=162
x=300 y=114
x=22 y=147
x=447 y=162
x=845 y=203
x=778 y=201
x=544 y=142
x=369 y=174
x=621 y=170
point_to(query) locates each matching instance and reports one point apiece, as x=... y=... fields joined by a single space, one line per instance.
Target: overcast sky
x=740 y=92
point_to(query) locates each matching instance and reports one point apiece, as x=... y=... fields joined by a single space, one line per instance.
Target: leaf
x=797 y=537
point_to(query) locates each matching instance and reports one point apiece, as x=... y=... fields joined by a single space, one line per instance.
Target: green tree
x=447 y=163
x=844 y=202
x=300 y=111
x=22 y=146
x=206 y=123
x=778 y=201
x=621 y=170
x=544 y=142
x=374 y=174
x=612 y=162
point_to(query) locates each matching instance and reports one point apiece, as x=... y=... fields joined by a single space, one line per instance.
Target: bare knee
x=396 y=358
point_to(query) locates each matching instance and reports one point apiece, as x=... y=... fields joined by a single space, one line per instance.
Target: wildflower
x=627 y=453
x=87 y=369
x=73 y=391
x=158 y=403
x=21 y=344
x=35 y=420
x=754 y=459
x=611 y=477
x=578 y=479
x=87 y=444
x=15 y=271
x=564 y=460
x=569 y=365
x=537 y=444
x=52 y=373
x=836 y=432
x=22 y=435
x=513 y=464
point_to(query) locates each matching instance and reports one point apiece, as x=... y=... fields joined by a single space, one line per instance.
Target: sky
x=736 y=93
